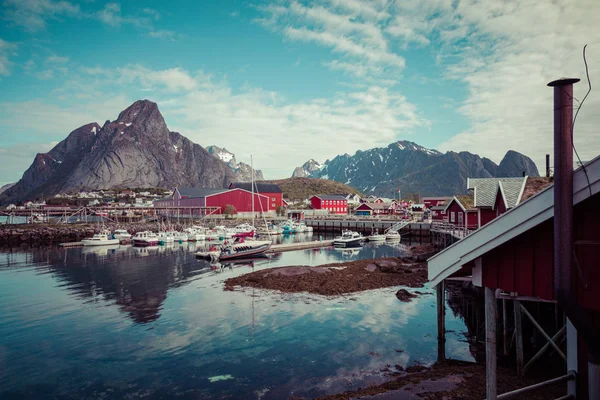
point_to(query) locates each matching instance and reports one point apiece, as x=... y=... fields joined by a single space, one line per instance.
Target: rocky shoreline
x=342 y=278
x=38 y=234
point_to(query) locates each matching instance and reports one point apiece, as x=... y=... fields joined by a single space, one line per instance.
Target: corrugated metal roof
x=376 y=206
x=331 y=197
x=259 y=187
x=199 y=192
x=486 y=189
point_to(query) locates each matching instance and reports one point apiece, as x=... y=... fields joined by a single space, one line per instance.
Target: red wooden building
x=336 y=204
x=512 y=258
x=460 y=211
x=272 y=191
x=217 y=198
x=435 y=201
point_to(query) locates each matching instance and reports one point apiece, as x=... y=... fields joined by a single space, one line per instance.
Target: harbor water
x=154 y=323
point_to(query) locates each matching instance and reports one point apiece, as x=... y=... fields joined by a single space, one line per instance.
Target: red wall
x=434 y=201
x=319 y=204
x=487 y=215
x=525 y=263
x=469 y=217
x=240 y=199
x=274 y=203
x=499 y=204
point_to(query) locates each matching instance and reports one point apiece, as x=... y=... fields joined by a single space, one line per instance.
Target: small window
x=273 y=205
x=452 y=216
x=272 y=198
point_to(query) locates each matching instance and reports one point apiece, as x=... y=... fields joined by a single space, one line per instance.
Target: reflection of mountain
x=467 y=304
x=137 y=284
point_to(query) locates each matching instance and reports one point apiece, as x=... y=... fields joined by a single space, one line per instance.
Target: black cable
x=587 y=73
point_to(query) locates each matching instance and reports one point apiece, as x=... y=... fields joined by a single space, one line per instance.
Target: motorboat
x=270 y=230
x=195 y=235
x=224 y=232
x=392 y=236
x=300 y=227
x=244 y=230
x=376 y=237
x=145 y=238
x=121 y=234
x=348 y=239
x=309 y=228
x=167 y=237
x=104 y=238
x=242 y=249
x=180 y=237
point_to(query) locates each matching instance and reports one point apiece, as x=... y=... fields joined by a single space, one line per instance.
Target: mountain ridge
x=135 y=150
x=412 y=168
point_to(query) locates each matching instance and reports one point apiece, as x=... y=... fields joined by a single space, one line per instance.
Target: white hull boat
x=121 y=234
x=103 y=238
x=376 y=237
x=348 y=239
x=145 y=239
x=392 y=236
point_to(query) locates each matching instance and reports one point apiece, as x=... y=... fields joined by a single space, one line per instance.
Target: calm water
x=155 y=323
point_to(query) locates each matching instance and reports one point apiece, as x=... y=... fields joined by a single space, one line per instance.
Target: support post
x=490 y=344
x=519 y=337
x=505 y=328
x=441 y=320
x=571 y=356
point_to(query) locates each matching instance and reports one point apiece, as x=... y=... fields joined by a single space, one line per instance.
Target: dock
x=279 y=248
x=70 y=244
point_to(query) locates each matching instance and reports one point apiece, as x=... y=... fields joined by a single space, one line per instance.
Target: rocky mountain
x=242 y=171
x=4 y=188
x=298 y=189
x=413 y=168
x=135 y=150
x=308 y=168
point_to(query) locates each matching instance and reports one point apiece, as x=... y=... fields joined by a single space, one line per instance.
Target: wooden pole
x=490 y=344
x=505 y=327
x=441 y=320
x=519 y=337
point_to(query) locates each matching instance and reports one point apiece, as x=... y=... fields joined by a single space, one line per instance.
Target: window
x=460 y=218
x=273 y=205
x=452 y=216
x=272 y=198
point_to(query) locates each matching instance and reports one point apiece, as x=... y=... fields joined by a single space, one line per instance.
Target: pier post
x=519 y=337
x=441 y=320
x=505 y=327
x=490 y=344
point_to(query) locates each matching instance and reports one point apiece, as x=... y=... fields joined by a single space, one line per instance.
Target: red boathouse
x=335 y=204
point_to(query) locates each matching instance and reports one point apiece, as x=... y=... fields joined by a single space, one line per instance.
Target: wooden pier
x=279 y=248
x=420 y=229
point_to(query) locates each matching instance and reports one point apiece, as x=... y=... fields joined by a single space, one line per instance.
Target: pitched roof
x=260 y=187
x=466 y=200
x=331 y=197
x=485 y=190
x=535 y=185
x=199 y=192
x=376 y=206
x=525 y=216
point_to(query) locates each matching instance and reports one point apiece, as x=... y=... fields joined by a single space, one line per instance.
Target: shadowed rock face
x=136 y=150
x=415 y=169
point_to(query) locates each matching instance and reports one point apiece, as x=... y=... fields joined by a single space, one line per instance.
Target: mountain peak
x=144 y=113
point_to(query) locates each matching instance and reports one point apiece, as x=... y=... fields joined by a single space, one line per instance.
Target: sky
x=287 y=81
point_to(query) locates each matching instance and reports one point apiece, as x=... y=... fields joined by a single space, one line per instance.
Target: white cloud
x=163 y=34
x=54 y=59
x=32 y=14
x=153 y=13
x=18 y=157
x=7 y=49
x=172 y=79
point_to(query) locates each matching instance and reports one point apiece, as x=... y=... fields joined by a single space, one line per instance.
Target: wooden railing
x=458 y=231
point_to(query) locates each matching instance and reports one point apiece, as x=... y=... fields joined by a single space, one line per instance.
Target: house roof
x=376 y=206
x=466 y=200
x=485 y=190
x=260 y=187
x=528 y=214
x=199 y=192
x=331 y=197
x=535 y=185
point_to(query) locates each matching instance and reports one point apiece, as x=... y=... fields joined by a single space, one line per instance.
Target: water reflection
x=156 y=323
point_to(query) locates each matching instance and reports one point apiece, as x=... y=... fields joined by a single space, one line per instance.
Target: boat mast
x=252 y=184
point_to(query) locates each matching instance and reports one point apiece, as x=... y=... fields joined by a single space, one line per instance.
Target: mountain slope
x=306 y=169
x=413 y=168
x=302 y=188
x=135 y=150
x=242 y=171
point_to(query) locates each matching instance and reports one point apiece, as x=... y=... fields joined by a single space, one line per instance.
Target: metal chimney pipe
x=547 y=165
x=563 y=187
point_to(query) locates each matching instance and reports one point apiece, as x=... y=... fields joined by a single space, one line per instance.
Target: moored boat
x=104 y=238
x=376 y=237
x=121 y=234
x=145 y=238
x=392 y=235
x=167 y=237
x=348 y=238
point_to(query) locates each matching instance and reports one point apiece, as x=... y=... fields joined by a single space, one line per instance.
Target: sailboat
x=240 y=248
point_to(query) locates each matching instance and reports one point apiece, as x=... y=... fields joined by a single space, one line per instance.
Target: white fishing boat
x=376 y=237
x=121 y=234
x=309 y=229
x=348 y=239
x=180 y=237
x=145 y=238
x=300 y=227
x=104 y=238
x=392 y=236
x=224 y=232
x=244 y=230
x=195 y=235
x=167 y=237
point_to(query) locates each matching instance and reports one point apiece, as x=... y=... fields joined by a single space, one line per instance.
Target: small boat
x=166 y=237
x=145 y=238
x=300 y=228
x=309 y=229
x=195 y=235
x=104 y=238
x=392 y=235
x=376 y=237
x=121 y=234
x=244 y=249
x=180 y=237
x=244 y=230
x=348 y=239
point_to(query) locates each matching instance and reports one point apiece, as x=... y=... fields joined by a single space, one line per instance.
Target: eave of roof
x=527 y=215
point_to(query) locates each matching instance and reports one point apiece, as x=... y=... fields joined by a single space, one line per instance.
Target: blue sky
x=293 y=80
